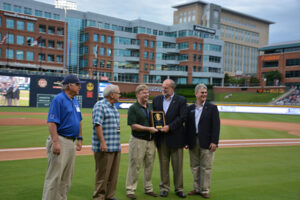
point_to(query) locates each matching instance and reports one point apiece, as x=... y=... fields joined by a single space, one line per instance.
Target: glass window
x=60 y=31
x=51 y=29
x=10 y=39
x=108 y=64
x=10 y=53
x=108 y=51
x=94 y=62
x=42 y=57
x=96 y=36
x=109 y=39
x=20 y=40
x=107 y=26
x=152 y=44
x=56 y=16
x=51 y=44
x=17 y=9
x=7 y=6
x=10 y=23
x=195 y=46
x=29 y=56
x=42 y=43
x=59 y=59
x=199 y=47
x=29 y=41
x=146 y=55
x=42 y=28
x=102 y=51
x=154 y=32
x=19 y=55
x=151 y=55
x=86 y=37
x=20 y=25
x=102 y=39
x=38 y=13
x=48 y=15
x=146 y=43
x=59 y=45
x=27 y=11
x=50 y=58
x=102 y=63
x=30 y=26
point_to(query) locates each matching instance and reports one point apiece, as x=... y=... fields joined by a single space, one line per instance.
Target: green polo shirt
x=137 y=114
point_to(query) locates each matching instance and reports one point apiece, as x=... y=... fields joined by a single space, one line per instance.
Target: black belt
x=68 y=137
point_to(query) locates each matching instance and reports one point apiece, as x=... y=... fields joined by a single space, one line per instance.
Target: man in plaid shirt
x=106 y=144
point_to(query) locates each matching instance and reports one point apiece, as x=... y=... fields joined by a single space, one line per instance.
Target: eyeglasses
x=77 y=84
x=117 y=93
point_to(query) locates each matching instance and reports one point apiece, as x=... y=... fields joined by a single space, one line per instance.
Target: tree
x=271 y=76
x=254 y=80
x=226 y=79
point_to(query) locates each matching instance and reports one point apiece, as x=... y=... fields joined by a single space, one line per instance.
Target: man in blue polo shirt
x=64 y=122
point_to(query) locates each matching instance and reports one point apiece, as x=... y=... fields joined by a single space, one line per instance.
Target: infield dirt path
x=40 y=152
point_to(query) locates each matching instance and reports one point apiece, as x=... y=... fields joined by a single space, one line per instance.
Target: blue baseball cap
x=71 y=79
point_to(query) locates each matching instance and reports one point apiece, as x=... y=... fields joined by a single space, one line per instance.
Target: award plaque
x=158 y=119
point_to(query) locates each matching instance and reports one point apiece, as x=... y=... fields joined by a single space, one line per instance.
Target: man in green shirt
x=141 y=144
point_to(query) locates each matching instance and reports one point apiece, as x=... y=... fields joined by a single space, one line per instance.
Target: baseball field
x=258 y=158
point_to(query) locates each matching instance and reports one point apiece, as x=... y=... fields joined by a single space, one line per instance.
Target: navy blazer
x=175 y=118
x=208 y=127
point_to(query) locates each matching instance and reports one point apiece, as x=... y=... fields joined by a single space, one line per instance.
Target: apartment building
x=242 y=34
x=113 y=49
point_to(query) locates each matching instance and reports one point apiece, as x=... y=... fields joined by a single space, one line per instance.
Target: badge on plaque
x=158 y=119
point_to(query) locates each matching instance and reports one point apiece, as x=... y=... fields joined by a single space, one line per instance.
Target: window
x=102 y=39
x=102 y=63
x=195 y=45
x=146 y=55
x=293 y=62
x=96 y=36
x=10 y=23
x=151 y=44
x=7 y=6
x=199 y=58
x=194 y=57
x=108 y=52
x=56 y=16
x=292 y=74
x=29 y=41
x=20 y=40
x=27 y=11
x=60 y=31
x=10 y=39
x=146 y=43
x=102 y=51
x=30 y=26
x=17 y=9
x=108 y=64
x=107 y=26
x=19 y=55
x=48 y=15
x=184 y=45
x=29 y=55
x=20 y=25
x=86 y=50
x=151 y=55
x=59 y=45
x=38 y=13
x=51 y=29
x=42 y=28
x=145 y=67
x=270 y=64
x=109 y=39
x=42 y=43
x=59 y=59
x=86 y=37
x=9 y=53
x=42 y=57
x=199 y=47
x=50 y=58
x=51 y=44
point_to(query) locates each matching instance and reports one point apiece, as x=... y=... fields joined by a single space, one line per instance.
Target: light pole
x=66 y=5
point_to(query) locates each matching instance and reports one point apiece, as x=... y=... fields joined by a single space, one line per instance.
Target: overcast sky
x=285 y=13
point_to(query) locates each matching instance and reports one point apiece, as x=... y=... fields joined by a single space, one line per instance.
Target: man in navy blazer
x=170 y=139
x=202 y=138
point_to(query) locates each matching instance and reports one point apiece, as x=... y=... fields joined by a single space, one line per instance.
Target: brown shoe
x=193 y=192
x=205 y=195
x=131 y=196
x=152 y=194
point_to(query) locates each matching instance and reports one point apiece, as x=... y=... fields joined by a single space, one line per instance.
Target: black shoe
x=131 y=196
x=181 y=194
x=164 y=193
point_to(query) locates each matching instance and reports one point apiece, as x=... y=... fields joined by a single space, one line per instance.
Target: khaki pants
x=176 y=155
x=140 y=152
x=201 y=161
x=60 y=170
x=107 y=170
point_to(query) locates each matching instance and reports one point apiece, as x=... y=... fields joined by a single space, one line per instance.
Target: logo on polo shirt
x=90 y=86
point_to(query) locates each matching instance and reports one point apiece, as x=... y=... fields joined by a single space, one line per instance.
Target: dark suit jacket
x=209 y=126
x=175 y=118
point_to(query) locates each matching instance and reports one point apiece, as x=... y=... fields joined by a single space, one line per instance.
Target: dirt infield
x=40 y=152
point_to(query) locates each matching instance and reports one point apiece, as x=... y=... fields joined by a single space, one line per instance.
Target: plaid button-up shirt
x=108 y=117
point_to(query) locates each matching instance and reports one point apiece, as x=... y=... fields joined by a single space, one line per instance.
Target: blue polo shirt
x=66 y=114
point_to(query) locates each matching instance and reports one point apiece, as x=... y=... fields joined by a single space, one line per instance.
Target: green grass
x=35 y=136
x=238 y=174
x=245 y=97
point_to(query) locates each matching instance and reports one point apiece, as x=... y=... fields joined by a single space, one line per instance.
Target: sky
x=285 y=13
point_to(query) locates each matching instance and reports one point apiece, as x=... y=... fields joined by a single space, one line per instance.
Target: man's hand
x=79 y=145
x=103 y=146
x=152 y=130
x=212 y=147
x=56 y=148
x=165 y=129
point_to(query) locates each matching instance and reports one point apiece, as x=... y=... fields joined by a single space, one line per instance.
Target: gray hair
x=172 y=83
x=199 y=87
x=109 y=89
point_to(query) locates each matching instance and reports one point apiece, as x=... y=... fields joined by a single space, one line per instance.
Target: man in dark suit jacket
x=170 y=139
x=202 y=138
